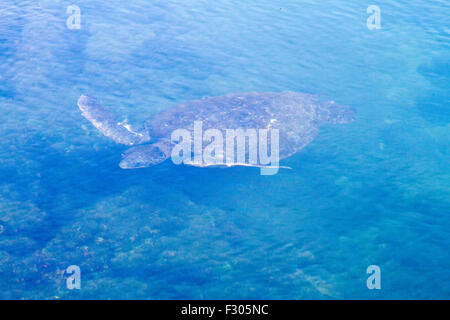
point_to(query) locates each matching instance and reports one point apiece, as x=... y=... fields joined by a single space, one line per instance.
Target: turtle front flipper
x=146 y=155
x=106 y=122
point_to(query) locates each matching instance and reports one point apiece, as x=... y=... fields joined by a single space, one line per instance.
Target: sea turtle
x=297 y=116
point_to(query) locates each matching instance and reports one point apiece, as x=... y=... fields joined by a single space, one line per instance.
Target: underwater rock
x=19 y=216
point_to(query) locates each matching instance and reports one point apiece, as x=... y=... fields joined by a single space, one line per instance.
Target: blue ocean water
x=373 y=192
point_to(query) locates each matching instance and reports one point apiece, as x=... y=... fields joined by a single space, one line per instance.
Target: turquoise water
x=374 y=192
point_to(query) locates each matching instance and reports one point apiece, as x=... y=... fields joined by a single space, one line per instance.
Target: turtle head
x=335 y=113
x=144 y=156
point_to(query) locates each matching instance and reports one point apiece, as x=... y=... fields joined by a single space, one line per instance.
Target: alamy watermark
x=239 y=147
x=73 y=22
x=374 y=280
x=374 y=20
x=74 y=279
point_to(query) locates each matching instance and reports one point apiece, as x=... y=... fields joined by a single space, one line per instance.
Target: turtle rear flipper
x=146 y=155
x=106 y=122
